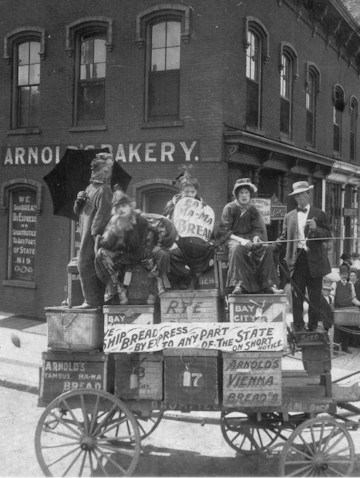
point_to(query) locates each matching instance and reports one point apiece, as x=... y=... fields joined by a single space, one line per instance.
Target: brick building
x=262 y=88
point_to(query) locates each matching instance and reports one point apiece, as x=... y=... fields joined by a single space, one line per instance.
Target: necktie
x=300 y=209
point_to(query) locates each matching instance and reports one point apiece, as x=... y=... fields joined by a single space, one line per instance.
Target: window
x=253 y=80
x=27 y=96
x=153 y=196
x=286 y=95
x=164 y=71
x=288 y=66
x=354 y=112
x=90 y=79
x=312 y=89
x=21 y=200
x=338 y=108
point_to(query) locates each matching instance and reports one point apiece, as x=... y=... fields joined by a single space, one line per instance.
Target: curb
x=21 y=387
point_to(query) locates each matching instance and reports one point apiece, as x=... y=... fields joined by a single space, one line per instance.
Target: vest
x=343 y=295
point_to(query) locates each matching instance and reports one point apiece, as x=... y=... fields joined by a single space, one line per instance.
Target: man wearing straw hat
x=306 y=254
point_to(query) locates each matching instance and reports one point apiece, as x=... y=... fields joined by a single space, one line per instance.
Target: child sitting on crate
x=344 y=296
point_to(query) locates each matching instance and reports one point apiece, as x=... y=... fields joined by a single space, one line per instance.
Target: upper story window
x=312 y=88
x=163 y=29
x=354 y=113
x=90 y=79
x=256 y=44
x=338 y=108
x=24 y=49
x=164 y=71
x=91 y=39
x=288 y=74
x=253 y=80
x=27 y=95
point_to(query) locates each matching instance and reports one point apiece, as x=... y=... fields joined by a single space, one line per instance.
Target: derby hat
x=345 y=256
x=300 y=187
x=244 y=182
x=119 y=197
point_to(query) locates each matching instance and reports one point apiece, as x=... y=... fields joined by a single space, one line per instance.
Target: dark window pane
x=164 y=94
x=309 y=126
x=352 y=146
x=284 y=116
x=91 y=101
x=24 y=106
x=252 y=104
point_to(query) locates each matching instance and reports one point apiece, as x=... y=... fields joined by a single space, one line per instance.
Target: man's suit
x=306 y=267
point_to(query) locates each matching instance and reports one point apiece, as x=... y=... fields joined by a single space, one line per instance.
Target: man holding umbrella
x=94 y=208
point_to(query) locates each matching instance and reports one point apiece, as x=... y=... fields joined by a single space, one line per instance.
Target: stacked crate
x=252 y=375
x=192 y=376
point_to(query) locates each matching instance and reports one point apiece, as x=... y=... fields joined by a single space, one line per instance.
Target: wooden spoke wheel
x=318 y=447
x=148 y=425
x=248 y=436
x=87 y=433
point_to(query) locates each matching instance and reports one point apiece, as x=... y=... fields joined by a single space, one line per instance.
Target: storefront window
x=333 y=209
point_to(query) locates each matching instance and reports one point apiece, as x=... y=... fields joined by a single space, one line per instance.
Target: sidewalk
x=23 y=340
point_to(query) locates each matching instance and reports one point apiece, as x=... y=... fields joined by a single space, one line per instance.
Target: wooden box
x=252 y=380
x=257 y=308
x=147 y=380
x=191 y=306
x=71 y=329
x=192 y=380
x=141 y=286
x=128 y=314
x=209 y=279
x=64 y=371
x=347 y=316
x=74 y=290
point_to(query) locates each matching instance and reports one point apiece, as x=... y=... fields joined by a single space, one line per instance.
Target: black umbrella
x=72 y=174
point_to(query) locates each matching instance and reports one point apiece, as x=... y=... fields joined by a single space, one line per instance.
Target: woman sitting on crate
x=241 y=230
x=192 y=254
x=122 y=246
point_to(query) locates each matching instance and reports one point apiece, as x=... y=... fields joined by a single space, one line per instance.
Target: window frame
x=354 y=114
x=148 y=187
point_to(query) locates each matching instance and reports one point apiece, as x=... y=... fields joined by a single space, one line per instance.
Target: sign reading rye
x=135 y=152
x=193 y=219
x=23 y=234
x=228 y=337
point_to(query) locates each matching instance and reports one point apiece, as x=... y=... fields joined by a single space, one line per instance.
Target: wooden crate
x=209 y=279
x=71 y=329
x=196 y=383
x=257 y=308
x=347 y=316
x=141 y=286
x=64 y=371
x=147 y=380
x=128 y=314
x=252 y=379
x=191 y=306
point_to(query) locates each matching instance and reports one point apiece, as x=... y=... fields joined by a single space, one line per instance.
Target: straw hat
x=244 y=182
x=300 y=187
x=327 y=284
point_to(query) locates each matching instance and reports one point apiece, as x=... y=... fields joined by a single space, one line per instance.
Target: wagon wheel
x=87 y=433
x=248 y=436
x=318 y=447
x=149 y=425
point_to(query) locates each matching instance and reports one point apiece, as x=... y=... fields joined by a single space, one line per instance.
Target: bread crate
x=71 y=329
x=257 y=308
x=139 y=376
x=191 y=306
x=128 y=314
x=141 y=286
x=347 y=316
x=192 y=380
x=64 y=371
x=252 y=379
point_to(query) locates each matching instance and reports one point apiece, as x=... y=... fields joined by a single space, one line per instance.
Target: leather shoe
x=237 y=290
x=85 y=305
x=300 y=329
x=346 y=350
x=268 y=290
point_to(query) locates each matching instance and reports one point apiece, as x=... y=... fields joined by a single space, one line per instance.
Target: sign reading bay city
x=135 y=152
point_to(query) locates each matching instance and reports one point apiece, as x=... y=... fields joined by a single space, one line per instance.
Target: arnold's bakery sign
x=145 y=152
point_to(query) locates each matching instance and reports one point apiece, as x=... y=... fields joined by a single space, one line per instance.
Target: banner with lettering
x=225 y=336
x=193 y=219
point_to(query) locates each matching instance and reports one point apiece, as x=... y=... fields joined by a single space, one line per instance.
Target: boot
x=123 y=300
x=237 y=289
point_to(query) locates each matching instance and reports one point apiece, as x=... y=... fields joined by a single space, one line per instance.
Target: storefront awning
x=344 y=173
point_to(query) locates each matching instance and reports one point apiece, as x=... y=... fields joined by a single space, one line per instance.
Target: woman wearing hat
x=241 y=230
x=122 y=245
x=346 y=260
x=307 y=260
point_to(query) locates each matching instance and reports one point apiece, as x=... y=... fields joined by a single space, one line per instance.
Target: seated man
x=241 y=230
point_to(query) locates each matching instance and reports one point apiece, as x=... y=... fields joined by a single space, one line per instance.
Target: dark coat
x=316 y=255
